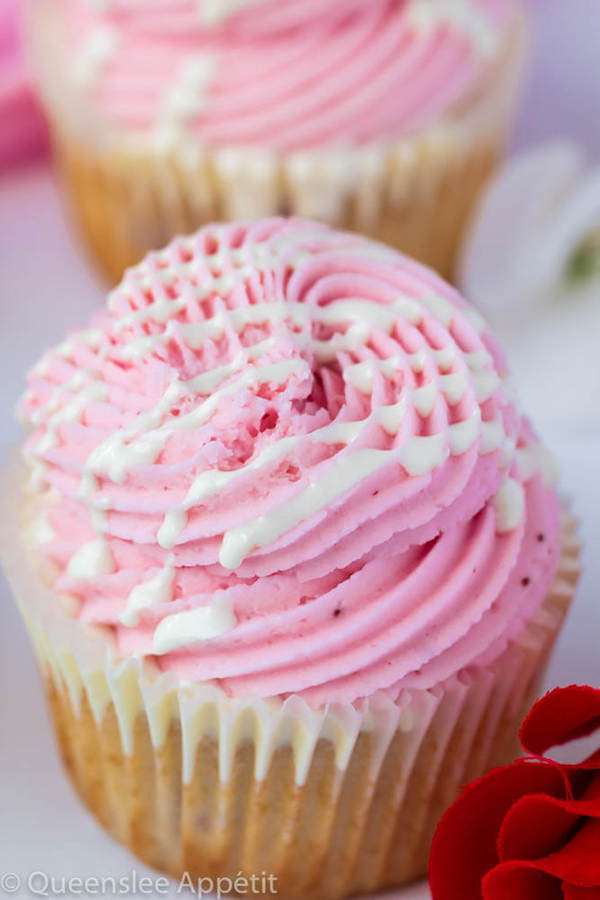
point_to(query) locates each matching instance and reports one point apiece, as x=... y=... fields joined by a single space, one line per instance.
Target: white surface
x=45 y=288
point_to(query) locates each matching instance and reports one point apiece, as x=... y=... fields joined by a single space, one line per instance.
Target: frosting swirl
x=286 y=458
x=280 y=75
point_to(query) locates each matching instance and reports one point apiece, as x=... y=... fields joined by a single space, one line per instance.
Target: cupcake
x=383 y=117
x=291 y=560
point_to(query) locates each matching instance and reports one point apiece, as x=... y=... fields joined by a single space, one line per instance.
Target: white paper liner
x=140 y=746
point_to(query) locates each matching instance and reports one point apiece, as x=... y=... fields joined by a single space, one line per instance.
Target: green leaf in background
x=585 y=262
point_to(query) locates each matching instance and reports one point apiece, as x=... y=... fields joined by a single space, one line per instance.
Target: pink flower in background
x=22 y=128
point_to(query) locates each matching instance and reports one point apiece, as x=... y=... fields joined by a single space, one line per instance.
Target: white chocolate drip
x=200 y=624
x=214 y=12
x=97 y=50
x=492 y=435
x=418 y=456
x=187 y=96
x=509 y=504
x=465 y=16
x=92 y=559
x=40 y=530
x=79 y=390
x=150 y=593
x=362 y=314
x=534 y=459
x=213 y=480
x=464 y=434
x=115 y=456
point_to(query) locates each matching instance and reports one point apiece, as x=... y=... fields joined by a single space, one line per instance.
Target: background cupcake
x=385 y=117
x=291 y=561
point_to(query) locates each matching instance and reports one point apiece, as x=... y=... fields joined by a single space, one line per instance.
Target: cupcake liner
x=330 y=801
x=131 y=194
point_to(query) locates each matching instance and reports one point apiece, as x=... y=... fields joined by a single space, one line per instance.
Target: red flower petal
x=577 y=863
x=530 y=831
x=572 y=892
x=465 y=844
x=536 y=826
x=511 y=881
x=563 y=715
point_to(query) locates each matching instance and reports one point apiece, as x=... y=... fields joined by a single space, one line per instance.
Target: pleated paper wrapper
x=331 y=801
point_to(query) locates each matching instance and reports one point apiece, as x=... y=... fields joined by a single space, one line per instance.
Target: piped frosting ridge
x=288 y=460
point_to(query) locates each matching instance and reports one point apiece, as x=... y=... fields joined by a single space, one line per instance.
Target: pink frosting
x=409 y=573
x=281 y=74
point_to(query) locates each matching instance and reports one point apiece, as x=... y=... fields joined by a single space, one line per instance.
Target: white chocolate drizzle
x=119 y=452
x=534 y=459
x=214 y=12
x=187 y=96
x=465 y=16
x=418 y=456
x=40 y=530
x=98 y=48
x=79 y=391
x=150 y=593
x=91 y=559
x=199 y=624
x=445 y=375
x=509 y=504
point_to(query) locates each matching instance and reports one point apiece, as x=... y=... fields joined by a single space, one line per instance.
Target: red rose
x=529 y=831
